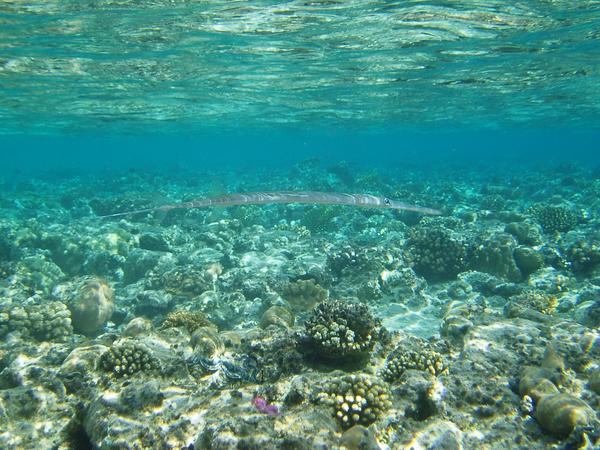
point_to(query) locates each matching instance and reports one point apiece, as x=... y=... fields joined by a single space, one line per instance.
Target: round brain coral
x=91 y=304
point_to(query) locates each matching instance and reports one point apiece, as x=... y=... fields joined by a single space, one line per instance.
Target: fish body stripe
x=308 y=197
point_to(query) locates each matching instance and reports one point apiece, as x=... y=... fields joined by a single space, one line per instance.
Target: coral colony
x=369 y=327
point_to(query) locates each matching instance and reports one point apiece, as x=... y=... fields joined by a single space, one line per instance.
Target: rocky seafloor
x=300 y=326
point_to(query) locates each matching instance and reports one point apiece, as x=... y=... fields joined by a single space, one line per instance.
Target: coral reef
x=358 y=437
x=559 y=414
x=554 y=219
x=356 y=399
x=436 y=252
x=264 y=407
x=343 y=257
x=594 y=382
x=583 y=256
x=128 y=358
x=185 y=281
x=339 y=330
x=319 y=219
x=206 y=341
x=526 y=233
x=138 y=263
x=43 y=321
x=190 y=320
x=222 y=334
x=35 y=274
x=527 y=260
x=422 y=358
x=103 y=206
x=532 y=300
x=457 y=320
x=494 y=254
x=275 y=354
x=154 y=242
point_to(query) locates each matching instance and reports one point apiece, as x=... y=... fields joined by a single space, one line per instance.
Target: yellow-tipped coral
x=356 y=399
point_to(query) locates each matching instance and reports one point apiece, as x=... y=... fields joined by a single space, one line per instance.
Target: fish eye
x=386 y=201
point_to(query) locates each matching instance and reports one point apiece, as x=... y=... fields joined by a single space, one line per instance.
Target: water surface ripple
x=68 y=65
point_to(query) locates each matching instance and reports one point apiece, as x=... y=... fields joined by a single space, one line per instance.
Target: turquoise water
x=124 y=325
x=187 y=67
x=281 y=149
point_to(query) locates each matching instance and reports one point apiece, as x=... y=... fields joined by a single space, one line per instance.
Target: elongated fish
x=311 y=197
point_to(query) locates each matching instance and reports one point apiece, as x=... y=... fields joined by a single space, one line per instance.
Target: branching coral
x=402 y=359
x=583 y=256
x=127 y=359
x=554 y=219
x=45 y=322
x=356 y=399
x=190 y=320
x=436 y=253
x=340 y=330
